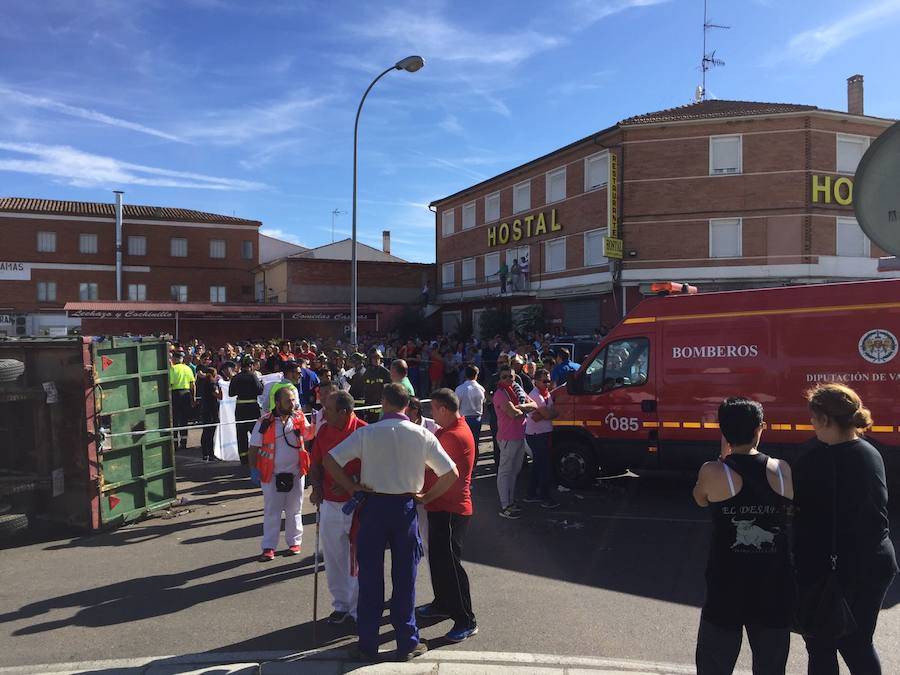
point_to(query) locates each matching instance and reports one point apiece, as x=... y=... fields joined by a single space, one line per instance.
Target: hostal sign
x=529 y=226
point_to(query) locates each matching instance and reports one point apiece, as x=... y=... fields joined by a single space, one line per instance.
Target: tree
x=531 y=320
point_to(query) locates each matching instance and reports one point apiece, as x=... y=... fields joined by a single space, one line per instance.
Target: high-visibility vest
x=265 y=457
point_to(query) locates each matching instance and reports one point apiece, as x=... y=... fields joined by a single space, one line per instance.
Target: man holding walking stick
x=334 y=524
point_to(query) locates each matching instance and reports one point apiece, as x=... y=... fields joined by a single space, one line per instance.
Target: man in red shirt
x=448 y=519
x=334 y=524
x=304 y=352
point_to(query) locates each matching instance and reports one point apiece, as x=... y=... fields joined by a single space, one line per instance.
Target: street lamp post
x=410 y=64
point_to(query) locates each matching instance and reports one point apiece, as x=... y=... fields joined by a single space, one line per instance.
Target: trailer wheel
x=12 y=524
x=576 y=464
x=10 y=370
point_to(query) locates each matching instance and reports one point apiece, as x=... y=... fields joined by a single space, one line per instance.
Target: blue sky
x=246 y=107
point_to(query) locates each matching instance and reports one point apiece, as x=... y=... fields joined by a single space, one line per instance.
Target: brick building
x=58 y=252
x=723 y=194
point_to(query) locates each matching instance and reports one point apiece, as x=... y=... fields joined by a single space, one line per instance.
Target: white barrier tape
x=141 y=432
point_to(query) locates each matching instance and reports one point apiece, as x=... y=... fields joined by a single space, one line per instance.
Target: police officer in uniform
x=246 y=387
x=183 y=384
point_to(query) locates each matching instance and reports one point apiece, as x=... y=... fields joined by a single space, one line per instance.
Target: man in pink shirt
x=511 y=405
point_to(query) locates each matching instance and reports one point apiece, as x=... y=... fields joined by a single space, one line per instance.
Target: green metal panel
x=138 y=470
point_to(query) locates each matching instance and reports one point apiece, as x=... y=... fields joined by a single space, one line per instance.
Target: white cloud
x=238 y=126
x=284 y=235
x=812 y=45
x=43 y=103
x=451 y=124
x=446 y=41
x=84 y=169
x=591 y=11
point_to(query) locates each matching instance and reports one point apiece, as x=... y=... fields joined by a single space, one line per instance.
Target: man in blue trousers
x=394 y=453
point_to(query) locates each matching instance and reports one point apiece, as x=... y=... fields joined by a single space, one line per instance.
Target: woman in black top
x=748 y=575
x=209 y=394
x=866 y=561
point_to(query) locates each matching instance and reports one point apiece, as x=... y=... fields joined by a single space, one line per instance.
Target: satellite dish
x=877 y=191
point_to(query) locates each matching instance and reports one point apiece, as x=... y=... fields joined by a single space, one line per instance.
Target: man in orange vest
x=278 y=456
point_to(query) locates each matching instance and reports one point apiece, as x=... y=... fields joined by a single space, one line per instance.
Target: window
x=476 y=321
x=447 y=224
x=217 y=294
x=556 y=185
x=491 y=266
x=137 y=292
x=260 y=290
x=850 y=150
x=725 y=238
x=555 y=255
x=451 y=322
x=46 y=291
x=448 y=275
x=137 y=245
x=492 y=208
x=178 y=247
x=87 y=243
x=851 y=240
x=724 y=155
x=178 y=293
x=620 y=364
x=87 y=291
x=596 y=171
x=468 y=271
x=593 y=248
x=216 y=248
x=46 y=242
x=522 y=197
x=247 y=250
x=469 y=216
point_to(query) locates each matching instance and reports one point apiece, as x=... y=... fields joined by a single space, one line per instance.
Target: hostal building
x=721 y=194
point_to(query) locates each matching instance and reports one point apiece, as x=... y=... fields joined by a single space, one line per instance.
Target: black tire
x=576 y=464
x=11 y=370
x=12 y=524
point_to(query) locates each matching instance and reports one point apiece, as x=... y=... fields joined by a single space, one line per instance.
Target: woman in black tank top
x=748 y=575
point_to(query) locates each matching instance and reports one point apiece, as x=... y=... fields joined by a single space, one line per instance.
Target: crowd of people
x=804 y=546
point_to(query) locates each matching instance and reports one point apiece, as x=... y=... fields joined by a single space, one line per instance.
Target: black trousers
x=446 y=532
x=718 y=648
x=857 y=648
x=245 y=411
x=208 y=436
x=182 y=405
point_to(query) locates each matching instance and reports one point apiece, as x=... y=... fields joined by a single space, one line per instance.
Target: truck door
x=619 y=403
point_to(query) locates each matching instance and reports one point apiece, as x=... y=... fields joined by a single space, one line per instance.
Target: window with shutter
x=724 y=155
x=725 y=238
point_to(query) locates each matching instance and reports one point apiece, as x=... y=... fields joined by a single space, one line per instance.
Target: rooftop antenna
x=335 y=214
x=709 y=59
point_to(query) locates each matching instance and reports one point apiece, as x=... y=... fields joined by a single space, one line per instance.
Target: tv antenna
x=335 y=214
x=709 y=59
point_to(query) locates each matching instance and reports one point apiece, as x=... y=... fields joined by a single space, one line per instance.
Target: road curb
x=335 y=661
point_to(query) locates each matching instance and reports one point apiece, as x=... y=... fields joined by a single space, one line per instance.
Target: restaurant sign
x=328 y=316
x=123 y=314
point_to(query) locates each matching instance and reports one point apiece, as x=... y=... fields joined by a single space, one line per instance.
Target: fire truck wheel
x=10 y=369
x=12 y=524
x=576 y=464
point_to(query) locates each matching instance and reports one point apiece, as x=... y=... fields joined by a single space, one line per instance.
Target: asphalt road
x=617 y=571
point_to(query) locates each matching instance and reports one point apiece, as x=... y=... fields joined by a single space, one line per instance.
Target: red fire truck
x=647 y=396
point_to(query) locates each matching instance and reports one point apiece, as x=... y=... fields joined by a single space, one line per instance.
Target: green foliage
x=495 y=322
x=531 y=320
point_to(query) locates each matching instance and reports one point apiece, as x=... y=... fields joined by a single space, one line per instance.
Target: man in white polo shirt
x=394 y=453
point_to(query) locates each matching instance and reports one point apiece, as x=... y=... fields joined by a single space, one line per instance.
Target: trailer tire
x=576 y=464
x=12 y=524
x=10 y=370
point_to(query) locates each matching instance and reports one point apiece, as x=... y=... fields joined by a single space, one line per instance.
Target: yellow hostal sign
x=612 y=248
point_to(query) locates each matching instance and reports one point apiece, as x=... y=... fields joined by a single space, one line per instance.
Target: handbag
x=284 y=482
x=822 y=609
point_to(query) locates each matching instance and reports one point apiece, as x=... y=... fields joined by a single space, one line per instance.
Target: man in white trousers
x=334 y=524
x=280 y=460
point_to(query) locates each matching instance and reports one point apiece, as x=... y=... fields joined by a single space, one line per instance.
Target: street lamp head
x=410 y=64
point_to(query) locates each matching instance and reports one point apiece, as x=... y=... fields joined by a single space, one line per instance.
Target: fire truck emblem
x=748 y=534
x=878 y=346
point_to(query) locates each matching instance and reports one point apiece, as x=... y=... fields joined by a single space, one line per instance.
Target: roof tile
x=108 y=210
x=715 y=109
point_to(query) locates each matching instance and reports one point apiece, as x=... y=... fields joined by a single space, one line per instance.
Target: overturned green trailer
x=55 y=463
